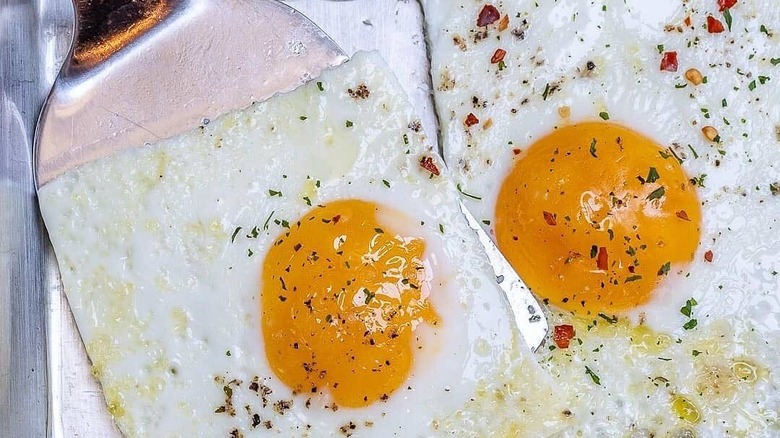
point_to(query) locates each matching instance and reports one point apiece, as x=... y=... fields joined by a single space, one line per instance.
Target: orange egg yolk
x=342 y=295
x=593 y=216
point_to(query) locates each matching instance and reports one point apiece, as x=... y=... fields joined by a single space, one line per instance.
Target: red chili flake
x=549 y=218
x=516 y=151
x=669 y=61
x=428 y=164
x=488 y=15
x=602 y=259
x=708 y=256
x=471 y=120
x=687 y=21
x=682 y=214
x=714 y=25
x=725 y=4
x=562 y=334
x=498 y=56
x=631 y=268
x=336 y=219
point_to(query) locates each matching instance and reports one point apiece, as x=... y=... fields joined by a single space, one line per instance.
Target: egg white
x=545 y=83
x=164 y=284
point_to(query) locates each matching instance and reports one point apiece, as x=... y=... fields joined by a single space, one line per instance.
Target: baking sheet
x=391 y=27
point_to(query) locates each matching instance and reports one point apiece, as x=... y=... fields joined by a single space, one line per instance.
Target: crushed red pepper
x=669 y=62
x=714 y=25
x=726 y=4
x=562 y=335
x=428 y=164
x=682 y=214
x=488 y=15
x=602 y=259
x=471 y=120
x=708 y=256
x=549 y=218
x=498 y=56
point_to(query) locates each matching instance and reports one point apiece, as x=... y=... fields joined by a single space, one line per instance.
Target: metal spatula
x=147 y=70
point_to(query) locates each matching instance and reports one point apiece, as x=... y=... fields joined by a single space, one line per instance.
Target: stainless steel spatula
x=150 y=69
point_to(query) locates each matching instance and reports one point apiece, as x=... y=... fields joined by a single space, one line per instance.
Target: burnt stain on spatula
x=107 y=26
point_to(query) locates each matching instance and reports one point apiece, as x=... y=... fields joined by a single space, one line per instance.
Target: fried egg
x=300 y=267
x=623 y=155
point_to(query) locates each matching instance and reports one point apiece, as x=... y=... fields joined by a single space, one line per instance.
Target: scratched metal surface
x=34 y=38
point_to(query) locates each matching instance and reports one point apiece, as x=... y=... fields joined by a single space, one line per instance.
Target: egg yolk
x=342 y=296
x=594 y=215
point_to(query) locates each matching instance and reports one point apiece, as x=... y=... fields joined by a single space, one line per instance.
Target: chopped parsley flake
x=274 y=193
x=235 y=233
x=592 y=149
x=664 y=269
x=657 y=193
x=348 y=123
x=593 y=376
x=727 y=17
x=691 y=324
x=687 y=310
x=652 y=175
x=319 y=86
x=604 y=115
x=631 y=278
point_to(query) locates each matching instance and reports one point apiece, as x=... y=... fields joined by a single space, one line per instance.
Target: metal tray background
x=31 y=298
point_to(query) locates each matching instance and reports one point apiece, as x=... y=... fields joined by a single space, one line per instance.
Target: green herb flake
x=687 y=309
x=631 y=278
x=386 y=183
x=660 y=48
x=441 y=228
x=593 y=376
x=546 y=92
x=249 y=252
x=406 y=139
x=610 y=319
x=656 y=194
x=369 y=296
x=763 y=79
x=764 y=30
x=468 y=195
x=319 y=86
x=486 y=222
x=235 y=233
x=604 y=115
x=594 y=250
x=274 y=193
x=752 y=85
x=652 y=175
x=774 y=188
x=664 y=269
x=348 y=123
x=691 y=324
x=695 y=353
x=302 y=118
x=774 y=61
x=379 y=230
x=307 y=200
x=727 y=17
x=592 y=149
x=253 y=234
